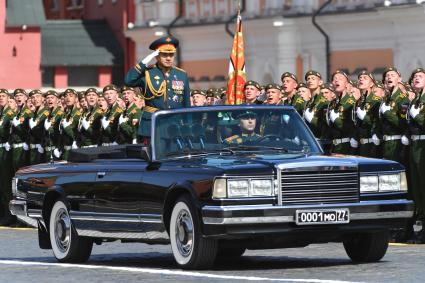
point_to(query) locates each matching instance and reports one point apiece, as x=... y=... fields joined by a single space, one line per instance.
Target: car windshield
x=230 y=130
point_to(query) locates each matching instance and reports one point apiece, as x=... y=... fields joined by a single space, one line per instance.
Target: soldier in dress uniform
x=82 y=101
x=52 y=137
x=417 y=148
x=101 y=102
x=110 y=119
x=393 y=121
x=314 y=82
x=274 y=94
x=366 y=115
x=68 y=127
x=252 y=90
x=301 y=98
x=163 y=85
x=6 y=116
x=340 y=119
x=289 y=87
x=36 y=125
x=247 y=125
x=199 y=97
x=212 y=96
x=19 y=132
x=89 y=124
x=128 y=122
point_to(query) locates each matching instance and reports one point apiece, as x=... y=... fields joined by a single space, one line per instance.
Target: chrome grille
x=320 y=187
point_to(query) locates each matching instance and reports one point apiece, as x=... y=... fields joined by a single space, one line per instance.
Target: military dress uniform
x=36 y=132
x=318 y=125
x=68 y=127
x=159 y=90
x=341 y=125
x=19 y=135
x=109 y=121
x=128 y=123
x=89 y=126
x=366 y=117
x=417 y=154
x=6 y=116
x=52 y=131
x=242 y=139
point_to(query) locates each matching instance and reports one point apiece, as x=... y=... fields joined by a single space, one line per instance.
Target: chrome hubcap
x=184 y=233
x=62 y=230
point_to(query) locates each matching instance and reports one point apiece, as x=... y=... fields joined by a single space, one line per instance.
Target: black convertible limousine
x=214 y=182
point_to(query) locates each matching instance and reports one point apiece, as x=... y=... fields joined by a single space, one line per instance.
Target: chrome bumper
x=269 y=214
x=18 y=207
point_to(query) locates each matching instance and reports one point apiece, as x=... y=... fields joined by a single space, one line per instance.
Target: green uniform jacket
x=127 y=131
x=109 y=134
x=91 y=135
x=69 y=133
x=6 y=116
x=19 y=134
x=241 y=139
x=52 y=137
x=299 y=103
x=318 y=124
x=37 y=133
x=343 y=126
x=417 y=124
x=393 y=121
x=158 y=90
x=366 y=127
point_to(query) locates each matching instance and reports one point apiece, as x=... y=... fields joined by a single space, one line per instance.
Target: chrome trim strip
x=124 y=235
x=34 y=213
x=291 y=219
x=319 y=165
x=376 y=173
x=116 y=217
x=18 y=207
x=279 y=185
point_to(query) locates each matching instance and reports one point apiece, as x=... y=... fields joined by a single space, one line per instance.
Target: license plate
x=325 y=216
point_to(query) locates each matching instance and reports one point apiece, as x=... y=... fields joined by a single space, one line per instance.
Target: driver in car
x=247 y=124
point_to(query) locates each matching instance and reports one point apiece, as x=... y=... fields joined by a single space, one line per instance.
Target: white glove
x=7 y=146
x=105 y=122
x=122 y=120
x=114 y=143
x=65 y=123
x=360 y=113
x=85 y=123
x=376 y=140
x=286 y=118
x=384 y=108
x=404 y=140
x=16 y=121
x=40 y=149
x=25 y=146
x=334 y=115
x=297 y=140
x=414 y=111
x=149 y=58
x=74 y=145
x=47 y=124
x=134 y=141
x=32 y=123
x=354 y=143
x=57 y=153
x=309 y=115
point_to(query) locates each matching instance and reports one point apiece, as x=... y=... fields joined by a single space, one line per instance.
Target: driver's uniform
x=243 y=138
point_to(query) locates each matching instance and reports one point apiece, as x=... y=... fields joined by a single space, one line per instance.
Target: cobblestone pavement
x=21 y=260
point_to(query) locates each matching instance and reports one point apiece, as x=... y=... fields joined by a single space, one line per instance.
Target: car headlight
x=242 y=188
x=389 y=183
x=403 y=182
x=261 y=187
x=368 y=184
x=237 y=188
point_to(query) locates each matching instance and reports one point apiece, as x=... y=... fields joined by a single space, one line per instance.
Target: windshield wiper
x=186 y=152
x=256 y=148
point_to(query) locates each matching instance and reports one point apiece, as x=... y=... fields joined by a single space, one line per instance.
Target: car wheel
x=367 y=247
x=67 y=246
x=190 y=249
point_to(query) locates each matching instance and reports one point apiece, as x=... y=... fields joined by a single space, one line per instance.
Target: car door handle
x=101 y=174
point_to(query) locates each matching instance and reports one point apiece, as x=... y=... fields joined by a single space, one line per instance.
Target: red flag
x=237 y=76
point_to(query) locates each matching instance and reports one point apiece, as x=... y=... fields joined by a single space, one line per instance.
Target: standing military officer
x=289 y=88
x=6 y=116
x=110 y=119
x=51 y=125
x=89 y=124
x=340 y=116
x=163 y=85
x=69 y=123
x=36 y=125
x=314 y=82
x=128 y=122
x=252 y=90
x=417 y=148
x=19 y=132
x=365 y=115
x=393 y=117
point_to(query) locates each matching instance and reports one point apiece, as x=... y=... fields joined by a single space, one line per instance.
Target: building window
x=82 y=76
x=73 y=4
x=47 y=74
x=54 y=5
x=100 y=2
